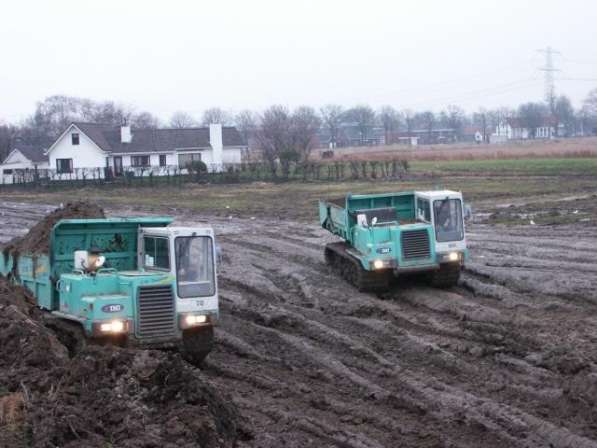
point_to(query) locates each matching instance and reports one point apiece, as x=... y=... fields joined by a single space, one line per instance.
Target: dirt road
x=508 y=358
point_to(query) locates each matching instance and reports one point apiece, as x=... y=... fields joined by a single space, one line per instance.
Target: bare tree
x=588 y=113
x=427 y=120
x=409 y=120
x=107 y=112
x=273 y=138
x=246 y=123
x=456 y=119
x=145 y=120
x=304 y=127
x=390 y=121
x=182 y=119
x=8 y=135
x=331 y=115
x=215 y=115
x=563 y=113
x=532 y=116
x=364 y=117
x=590 y=103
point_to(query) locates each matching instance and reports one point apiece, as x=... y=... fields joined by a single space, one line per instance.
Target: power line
x=578 y=79
x=476 y=93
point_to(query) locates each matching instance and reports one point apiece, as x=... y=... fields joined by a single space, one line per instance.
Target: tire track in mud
x=471 y=348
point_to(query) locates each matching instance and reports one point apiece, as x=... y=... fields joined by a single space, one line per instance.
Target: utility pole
x=548 y=69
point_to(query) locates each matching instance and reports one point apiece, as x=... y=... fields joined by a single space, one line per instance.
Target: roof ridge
x=194 y=128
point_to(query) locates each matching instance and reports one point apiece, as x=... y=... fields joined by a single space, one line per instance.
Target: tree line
x=287 y=136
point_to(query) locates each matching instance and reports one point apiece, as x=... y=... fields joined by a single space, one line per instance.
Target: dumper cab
x=394 y=234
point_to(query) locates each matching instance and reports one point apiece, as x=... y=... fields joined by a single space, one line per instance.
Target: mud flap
x=197 y=343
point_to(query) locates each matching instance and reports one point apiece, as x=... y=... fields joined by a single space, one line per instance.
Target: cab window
x=156 y=253
x=423 y=210
x=195 y=275
x=448 y=220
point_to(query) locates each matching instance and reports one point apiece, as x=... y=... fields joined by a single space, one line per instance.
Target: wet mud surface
x=507 y=358
x=101 y=395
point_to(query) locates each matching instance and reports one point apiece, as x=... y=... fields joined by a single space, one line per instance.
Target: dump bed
x=116 y=238
x=339 y=215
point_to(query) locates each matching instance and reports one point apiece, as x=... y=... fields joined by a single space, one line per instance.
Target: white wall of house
x=217 y=147
x=84 y=155
x=232 y=155
x=16 y=160
x=154 y=160
x=545 y=132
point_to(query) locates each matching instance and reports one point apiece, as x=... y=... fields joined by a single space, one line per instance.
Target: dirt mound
x=103 y=396
x=38 y=238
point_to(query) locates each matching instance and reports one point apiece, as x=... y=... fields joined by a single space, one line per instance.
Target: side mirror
x=468 y=212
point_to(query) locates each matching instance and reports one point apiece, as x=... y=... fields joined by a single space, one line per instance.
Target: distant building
x=475 y=134
x=99 y=150
x=424 y=136
x=350 y=134
x=513 y=129
x=122 y=149
x=23 y=163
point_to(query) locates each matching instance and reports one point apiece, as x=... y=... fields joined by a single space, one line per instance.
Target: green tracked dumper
x=395 y=234
x=137 y=280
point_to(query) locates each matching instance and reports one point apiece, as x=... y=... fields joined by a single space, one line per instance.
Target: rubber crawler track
x=337 y=256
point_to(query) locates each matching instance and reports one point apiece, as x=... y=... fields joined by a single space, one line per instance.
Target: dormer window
x=75 y=138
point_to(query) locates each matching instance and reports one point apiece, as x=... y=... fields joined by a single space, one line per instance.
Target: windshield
x=194 y=266
x=448 y=220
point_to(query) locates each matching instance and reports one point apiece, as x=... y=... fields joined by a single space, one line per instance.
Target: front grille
x=415 y=244
x=156 y=311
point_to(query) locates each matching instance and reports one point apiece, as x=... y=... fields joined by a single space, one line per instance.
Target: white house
x=94 y=146
x=22 y=164
x=513 y=129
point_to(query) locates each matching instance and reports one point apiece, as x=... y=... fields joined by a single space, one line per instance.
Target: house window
x=139 y=161
x=64 y=166
x=7 y=171
x=186 y=159
x=75 y=138
x=162 y=159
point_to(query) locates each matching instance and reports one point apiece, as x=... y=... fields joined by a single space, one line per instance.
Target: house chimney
x=125 y=133
x=215 y=140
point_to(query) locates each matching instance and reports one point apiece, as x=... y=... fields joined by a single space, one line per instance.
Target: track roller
x=337 y=257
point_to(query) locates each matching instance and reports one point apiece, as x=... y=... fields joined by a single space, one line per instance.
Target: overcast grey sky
x=164 y=56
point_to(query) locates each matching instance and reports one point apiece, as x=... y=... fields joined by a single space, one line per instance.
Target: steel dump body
x=115 y=237
x=396 y=239
x=388 y=234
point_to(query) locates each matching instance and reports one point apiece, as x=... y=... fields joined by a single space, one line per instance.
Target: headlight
x=454 y=256
x=194 y=320
x=191 y=320
x=116 y=326
x=378 y=264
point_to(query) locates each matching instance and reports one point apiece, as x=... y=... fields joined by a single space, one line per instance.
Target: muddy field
x=507 y=358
